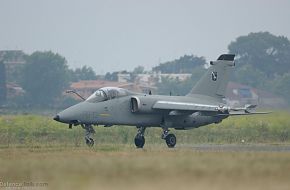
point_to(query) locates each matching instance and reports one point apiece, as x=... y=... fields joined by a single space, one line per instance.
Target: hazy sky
x=122 y=34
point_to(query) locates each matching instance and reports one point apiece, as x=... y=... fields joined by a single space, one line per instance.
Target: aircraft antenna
x=74 y=92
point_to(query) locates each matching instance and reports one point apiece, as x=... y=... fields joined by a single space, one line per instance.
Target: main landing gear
x=139 y=138
x=170 y=139
x=89 y=131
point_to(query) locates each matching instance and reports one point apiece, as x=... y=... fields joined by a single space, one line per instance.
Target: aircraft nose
x=72 y=114
x=56 y=118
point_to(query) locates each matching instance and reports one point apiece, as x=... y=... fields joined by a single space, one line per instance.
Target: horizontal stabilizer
x=247 y=108
x=244 y=113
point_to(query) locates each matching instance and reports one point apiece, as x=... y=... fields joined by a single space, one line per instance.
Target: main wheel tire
x=170 y=140
x=139 y=141
x=90 y=142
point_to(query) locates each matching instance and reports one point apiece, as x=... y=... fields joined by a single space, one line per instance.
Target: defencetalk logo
x=214 y=75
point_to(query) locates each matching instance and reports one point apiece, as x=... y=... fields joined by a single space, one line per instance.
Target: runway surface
x=242 y=148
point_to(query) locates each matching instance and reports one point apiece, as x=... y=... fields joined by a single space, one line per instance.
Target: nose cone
x=72 y=114
x=56 y=118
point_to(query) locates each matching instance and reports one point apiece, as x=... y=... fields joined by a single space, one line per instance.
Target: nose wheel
x=89 y=131
x=90 y=142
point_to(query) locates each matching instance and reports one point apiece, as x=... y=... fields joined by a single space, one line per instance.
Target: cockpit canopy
x=107 y=93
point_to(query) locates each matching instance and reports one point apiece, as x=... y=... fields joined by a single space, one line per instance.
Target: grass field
x=124 y=167
x=33 y=130
x=35 y=149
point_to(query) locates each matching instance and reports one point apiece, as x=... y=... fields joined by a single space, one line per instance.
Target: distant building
x=175 y=76
x=124 y=77
x=13 y=61
x=14 y=90
x=238 y=95
x=151 y=78
x=146 y=79
x=12 y=58
x=269 y=100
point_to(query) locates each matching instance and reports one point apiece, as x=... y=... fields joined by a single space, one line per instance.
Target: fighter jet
x=204 y=104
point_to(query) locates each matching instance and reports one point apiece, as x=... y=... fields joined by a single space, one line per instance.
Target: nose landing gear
x=90 y=142
x=89 y=131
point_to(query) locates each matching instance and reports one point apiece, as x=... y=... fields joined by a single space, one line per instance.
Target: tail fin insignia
x=214 y=75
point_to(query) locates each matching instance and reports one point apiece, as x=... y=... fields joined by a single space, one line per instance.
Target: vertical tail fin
x=215 y=80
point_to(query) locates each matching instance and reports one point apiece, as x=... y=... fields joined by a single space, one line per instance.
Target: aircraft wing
x=177 y=108
x=184 y=106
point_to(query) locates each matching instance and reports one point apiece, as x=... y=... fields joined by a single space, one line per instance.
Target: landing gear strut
x=139 y=138
x=89 y=131
x=170 y=139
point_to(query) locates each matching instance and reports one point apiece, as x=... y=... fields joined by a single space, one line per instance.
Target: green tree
x=263 y=51
x=44 y=77
x=281 y=84
x=111 y=76
x=173 y=86
x=138 y=70
x=185 y=64
x=247 y=74
x=263 y=61
x=84 y=73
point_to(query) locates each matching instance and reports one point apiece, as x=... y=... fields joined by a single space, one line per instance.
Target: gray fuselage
x=119 y=111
